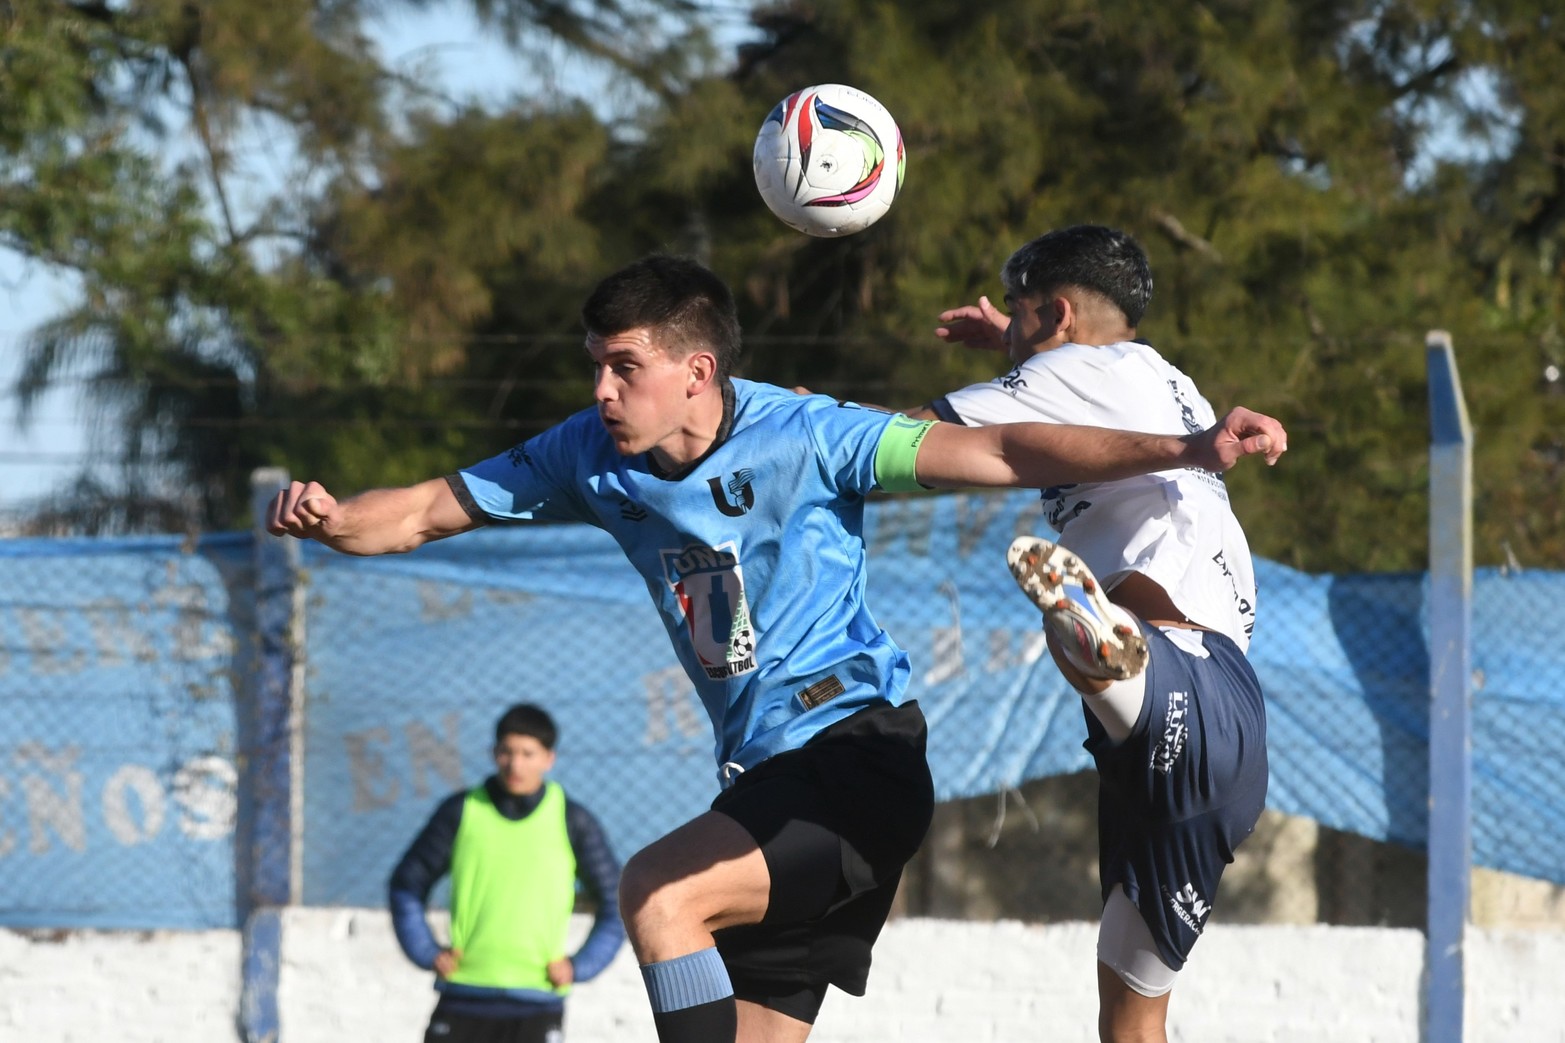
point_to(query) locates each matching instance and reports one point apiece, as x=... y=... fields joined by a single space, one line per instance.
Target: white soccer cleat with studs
x=1099 y=638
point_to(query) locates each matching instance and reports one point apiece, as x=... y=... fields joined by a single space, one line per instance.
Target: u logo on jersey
x=737 y=495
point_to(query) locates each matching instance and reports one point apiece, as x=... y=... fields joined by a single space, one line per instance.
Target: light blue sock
x=687 y=981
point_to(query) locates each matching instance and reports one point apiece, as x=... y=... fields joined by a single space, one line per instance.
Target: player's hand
x=561 y=972
x=1241 y=433
x=980 y=326
x=304 y=509
x=447 y=962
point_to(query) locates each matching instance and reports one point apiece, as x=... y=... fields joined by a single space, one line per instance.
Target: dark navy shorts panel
x=448 y=1025
x=837 y=820
x=1184 y=790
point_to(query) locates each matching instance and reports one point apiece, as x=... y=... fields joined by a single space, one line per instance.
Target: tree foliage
x=1318 y=182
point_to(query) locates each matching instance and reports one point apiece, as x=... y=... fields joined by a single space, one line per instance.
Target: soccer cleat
x=1099 y=638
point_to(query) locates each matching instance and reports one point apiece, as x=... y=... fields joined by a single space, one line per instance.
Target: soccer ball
x=829 y=160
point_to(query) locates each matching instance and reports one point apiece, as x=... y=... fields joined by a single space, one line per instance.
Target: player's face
x=1032 y=324
x=520 y=763
x=641 y=389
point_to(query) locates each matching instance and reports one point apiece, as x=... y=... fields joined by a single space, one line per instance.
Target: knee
x=1126 y=1015
x=1142 y=1024
x=646 y=894
x=1151 y=1034
x=636 y=886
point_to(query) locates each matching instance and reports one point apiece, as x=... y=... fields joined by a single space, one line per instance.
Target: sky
x=444 y=43
x=54 y=443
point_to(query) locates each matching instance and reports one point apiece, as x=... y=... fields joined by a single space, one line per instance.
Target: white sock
x=1118 y=707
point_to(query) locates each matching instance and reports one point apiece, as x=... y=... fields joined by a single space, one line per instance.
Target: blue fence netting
x=125 y=666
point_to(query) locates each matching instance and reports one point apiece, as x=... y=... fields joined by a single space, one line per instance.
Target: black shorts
x=448 y=1026
x=1180 y=794
x=836 y=820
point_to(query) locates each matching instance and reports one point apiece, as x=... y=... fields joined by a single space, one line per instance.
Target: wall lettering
x=52 y=787
x=670 y=700
x=373 y=786
x=143 y=823
x=207 y=789
x=440 y=754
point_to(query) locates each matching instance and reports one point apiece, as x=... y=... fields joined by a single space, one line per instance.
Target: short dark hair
x=677 y=297
x=1101 y=260
x=527 y=719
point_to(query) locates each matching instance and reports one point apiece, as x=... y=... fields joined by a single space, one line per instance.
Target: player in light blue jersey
x=731 y=546
x=741 y=505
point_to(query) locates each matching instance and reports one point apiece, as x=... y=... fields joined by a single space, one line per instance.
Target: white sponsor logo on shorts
x=1188 y=906
x=1173 y=741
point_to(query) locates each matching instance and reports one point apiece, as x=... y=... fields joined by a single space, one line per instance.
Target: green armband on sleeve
x=897 y=453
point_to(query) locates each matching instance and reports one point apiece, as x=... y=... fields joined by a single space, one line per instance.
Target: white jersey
x=1174 y=527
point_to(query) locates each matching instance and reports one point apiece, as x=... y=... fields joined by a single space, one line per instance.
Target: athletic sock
x=692 y=998
x=1118 y=706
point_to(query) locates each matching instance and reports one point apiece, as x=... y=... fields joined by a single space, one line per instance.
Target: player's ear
x=1062 y=312
x=701 y=367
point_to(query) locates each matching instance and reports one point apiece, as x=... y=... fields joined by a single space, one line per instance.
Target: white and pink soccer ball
x=829 y=160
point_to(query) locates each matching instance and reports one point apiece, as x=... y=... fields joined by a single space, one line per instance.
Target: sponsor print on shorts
x=1172 y=744
x=1189 y=906
x=709 y=585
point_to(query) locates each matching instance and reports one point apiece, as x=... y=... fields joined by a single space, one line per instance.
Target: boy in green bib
x=514 y=847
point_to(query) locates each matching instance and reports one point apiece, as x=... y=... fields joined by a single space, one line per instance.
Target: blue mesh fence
x=124 y=670
x=118 y=752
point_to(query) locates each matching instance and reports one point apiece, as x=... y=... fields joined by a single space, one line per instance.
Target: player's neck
x=694 y=439
x=1097 y=335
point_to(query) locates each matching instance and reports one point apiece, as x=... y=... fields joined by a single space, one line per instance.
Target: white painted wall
x=343 y=978
x=126 y=987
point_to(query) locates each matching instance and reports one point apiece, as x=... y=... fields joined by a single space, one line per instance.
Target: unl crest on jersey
x=709 y=585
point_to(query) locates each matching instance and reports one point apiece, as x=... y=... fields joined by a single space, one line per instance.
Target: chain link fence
x=124 y=751
x=119 y=666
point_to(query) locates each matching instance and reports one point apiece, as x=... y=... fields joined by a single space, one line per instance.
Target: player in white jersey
x=1148 y=600
x=741 y=506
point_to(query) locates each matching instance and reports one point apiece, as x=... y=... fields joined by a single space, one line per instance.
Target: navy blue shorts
x=1184 y=790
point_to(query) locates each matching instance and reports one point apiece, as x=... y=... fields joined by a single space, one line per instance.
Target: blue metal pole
x=1450 y=690
x=267 y=847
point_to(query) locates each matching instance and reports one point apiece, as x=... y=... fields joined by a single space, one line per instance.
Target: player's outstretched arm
x=380 y=521
x=1035 y=456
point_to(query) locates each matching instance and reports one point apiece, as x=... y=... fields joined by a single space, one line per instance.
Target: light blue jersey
x=754 y=554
